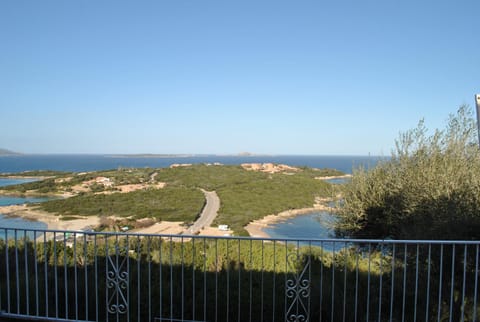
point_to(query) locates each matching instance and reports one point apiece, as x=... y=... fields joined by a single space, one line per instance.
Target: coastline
x=256 y=227
x=52 y=221
x=345 y=176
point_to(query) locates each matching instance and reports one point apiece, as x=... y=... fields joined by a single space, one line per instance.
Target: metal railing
x=64 y=276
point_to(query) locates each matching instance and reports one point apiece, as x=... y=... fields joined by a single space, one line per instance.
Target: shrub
x=428 y=189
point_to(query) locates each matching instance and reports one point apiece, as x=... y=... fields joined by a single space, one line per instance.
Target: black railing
x=89 y=276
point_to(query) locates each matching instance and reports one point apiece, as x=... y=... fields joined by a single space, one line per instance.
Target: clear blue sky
x=199 y=76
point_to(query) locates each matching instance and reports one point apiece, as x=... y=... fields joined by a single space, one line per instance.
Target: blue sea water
x=15 y=222
x=316 y=225
x=79 y=163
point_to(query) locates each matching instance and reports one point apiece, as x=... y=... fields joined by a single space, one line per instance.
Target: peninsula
x=183 y=198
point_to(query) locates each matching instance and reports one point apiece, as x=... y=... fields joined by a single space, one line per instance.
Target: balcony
x=89 y=276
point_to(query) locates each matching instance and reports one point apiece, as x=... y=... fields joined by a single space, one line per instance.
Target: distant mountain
x=4 y=152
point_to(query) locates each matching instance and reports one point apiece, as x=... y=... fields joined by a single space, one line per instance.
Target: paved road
x=209 y=212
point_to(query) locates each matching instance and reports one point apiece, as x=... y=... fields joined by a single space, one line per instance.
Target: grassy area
x=171 y=203
x=248 y=195
x=252 y=200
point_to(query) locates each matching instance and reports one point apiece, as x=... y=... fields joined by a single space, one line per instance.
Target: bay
x=16 y=222
x=317 y=225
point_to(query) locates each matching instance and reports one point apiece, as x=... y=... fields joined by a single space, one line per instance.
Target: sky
x=224 y=77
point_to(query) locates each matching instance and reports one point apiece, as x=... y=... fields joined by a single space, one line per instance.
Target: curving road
x=209 y=212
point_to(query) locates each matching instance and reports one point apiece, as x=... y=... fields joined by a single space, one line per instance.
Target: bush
x=428 y=189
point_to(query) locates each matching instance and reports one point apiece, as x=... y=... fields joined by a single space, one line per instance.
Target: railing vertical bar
x=95 y=258
x=251 y=282
x=7 y=268
x=368 y=281
x=427 y=308
x=193 y=278
x=228 y=280
x=65 y=272
x=55 y=278
x=85 y=258
x=239 y=281
x=309 y=278
x=452 y=283
x=404 y=281
x=37 y=308
x=25 y=252
x=332 y=310
x=127 y=254
x=75 y=273
x=344 y=282
x=464 y=282
x=1 y=280
x=149 y=259
x=357 y=255
x=274 y=277
x=380 y=287
x=321 y=281
x=106 y=277
x=17 y=271
x=439 y=309
x=171 y=282
x=204 y=279
x=182 y=314
x=392 y=286
x=46 y=273
x=416 y=285
x=139 y=284
x=475 y=291
x=117 y=268
x=160 y=278
x=261 y=286
x=298 y=276
x=286 y=285
x=216 y=280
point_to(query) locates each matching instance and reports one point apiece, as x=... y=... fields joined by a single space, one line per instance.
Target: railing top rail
x=9 y=231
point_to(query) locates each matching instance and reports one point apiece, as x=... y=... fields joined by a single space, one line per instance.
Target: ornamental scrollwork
x=117 y=282
x=297 y=288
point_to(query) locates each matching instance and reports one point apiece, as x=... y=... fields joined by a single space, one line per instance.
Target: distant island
x=150 y=155
x=5 y=152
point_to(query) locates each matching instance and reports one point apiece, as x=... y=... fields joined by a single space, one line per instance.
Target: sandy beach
x=334 y=177
x=53 y=222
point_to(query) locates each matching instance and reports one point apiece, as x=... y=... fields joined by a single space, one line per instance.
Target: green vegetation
x=41 y=187
x=35 y=173
x=170 y=203
x=429 y=189
x=249 y=195
x=245 y=195
x=250 y=200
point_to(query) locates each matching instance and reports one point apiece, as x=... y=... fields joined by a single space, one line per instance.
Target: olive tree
x=428 y=189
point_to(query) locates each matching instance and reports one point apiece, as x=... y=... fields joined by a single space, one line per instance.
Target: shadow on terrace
x=121 y=277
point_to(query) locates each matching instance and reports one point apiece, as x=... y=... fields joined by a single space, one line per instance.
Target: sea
x=304 y=226
x=81 y=163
